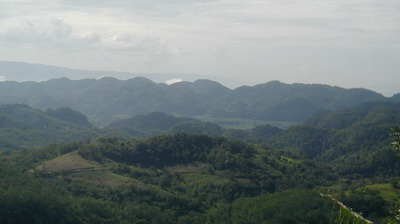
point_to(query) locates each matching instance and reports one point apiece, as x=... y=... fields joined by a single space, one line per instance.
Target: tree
x=396 y=134
x=396 y=146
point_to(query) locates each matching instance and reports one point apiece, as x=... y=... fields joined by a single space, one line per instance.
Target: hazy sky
x=350 y=43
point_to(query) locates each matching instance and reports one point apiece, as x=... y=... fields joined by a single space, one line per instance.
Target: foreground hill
x=108 y=99
x=165 y=179
x=24 y=127
x=180 y=178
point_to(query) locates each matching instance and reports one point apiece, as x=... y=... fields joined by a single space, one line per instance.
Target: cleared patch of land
x=68 y=162
x=387 y=191
x=100 y=177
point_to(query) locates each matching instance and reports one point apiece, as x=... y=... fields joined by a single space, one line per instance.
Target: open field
x=68 y=162
x=387 y=191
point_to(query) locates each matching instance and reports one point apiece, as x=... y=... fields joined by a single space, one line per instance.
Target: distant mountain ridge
x=108 y=99
x=22 y=71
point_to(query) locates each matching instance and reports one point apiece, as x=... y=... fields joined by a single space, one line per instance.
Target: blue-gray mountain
x=22 y=71
x=109 y=99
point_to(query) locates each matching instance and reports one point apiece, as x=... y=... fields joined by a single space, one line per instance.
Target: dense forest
x=156 y=167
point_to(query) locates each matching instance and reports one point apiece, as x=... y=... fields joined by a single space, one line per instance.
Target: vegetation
x=23 y=127
x=178 y=178
x=361 y=147
x=346 y=215
x=56 y=167
x=396 y=134
x=157 y=123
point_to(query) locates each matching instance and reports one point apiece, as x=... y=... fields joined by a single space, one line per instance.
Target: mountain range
x=22 y=71
x=153 y=156
x=108 y=99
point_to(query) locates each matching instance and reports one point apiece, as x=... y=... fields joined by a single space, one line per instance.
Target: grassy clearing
x=68 y=162
x=100 y=177
x=387 y=191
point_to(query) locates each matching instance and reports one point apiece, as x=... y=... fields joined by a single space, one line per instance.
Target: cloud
x=58 y=35
x=90 y=36
x=262 y=39
x=172 y=81
x=2 y=78
x=152 y=43
x=38 y=31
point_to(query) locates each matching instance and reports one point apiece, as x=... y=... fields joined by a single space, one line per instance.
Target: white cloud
x=172 y=81
x=2 y=78
x=35 y=31
x=65 y=36
x=88 y=37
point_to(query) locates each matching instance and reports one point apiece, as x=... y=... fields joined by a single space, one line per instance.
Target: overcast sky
x=349 y=43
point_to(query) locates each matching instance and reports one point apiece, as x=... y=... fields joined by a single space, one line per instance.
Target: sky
x=347 y=43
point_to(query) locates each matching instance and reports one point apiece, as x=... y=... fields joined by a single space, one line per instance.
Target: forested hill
x=177 y=178
x=356 y=140
x=191 y=178
x=23 y=127
x=108 y=99
x=157 y=123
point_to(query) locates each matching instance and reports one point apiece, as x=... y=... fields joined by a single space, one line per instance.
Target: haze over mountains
x=136 y=151
x=22 y=71
x=108 y=99
x=199 y=112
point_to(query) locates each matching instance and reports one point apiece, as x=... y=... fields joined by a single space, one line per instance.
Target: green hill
x=355 y=140
x=145 y=125
x=182 y=178
x=156 y=123
x=24 y=127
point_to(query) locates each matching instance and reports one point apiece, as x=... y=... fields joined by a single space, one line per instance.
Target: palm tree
x=346 y=215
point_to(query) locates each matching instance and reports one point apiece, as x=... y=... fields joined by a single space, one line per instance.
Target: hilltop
x=23 y=127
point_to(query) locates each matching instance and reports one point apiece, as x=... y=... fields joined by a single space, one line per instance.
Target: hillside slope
x=356 y=140
x=24 y=127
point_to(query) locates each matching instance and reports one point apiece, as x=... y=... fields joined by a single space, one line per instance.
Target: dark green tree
x=396 y=133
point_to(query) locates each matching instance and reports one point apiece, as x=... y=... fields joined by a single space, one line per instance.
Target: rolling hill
x=157 y=123
x=23 y=127
x=355 y=140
